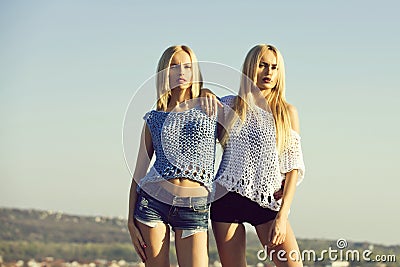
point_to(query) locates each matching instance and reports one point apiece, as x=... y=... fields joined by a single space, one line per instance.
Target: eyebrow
x=185 y=64
x=265 y=63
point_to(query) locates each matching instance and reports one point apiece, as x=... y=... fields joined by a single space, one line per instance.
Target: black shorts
x=235 y=208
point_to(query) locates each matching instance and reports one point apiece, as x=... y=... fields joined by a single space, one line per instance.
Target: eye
x=274 y=67
x=173 y=66
x=188 y=66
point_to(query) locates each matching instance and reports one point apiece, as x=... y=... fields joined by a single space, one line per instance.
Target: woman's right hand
x=137 y=239
x=279 y=194
x=209 y=102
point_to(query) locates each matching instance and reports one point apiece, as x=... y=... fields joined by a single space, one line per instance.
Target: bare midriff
x=185 y=187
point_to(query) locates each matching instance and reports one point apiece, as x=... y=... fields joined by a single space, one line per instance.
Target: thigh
x=157 y=241
x=192 y=250
x=286 y=254
x=231 y=243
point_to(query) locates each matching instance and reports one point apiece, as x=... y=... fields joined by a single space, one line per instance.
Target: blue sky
x=68 y=70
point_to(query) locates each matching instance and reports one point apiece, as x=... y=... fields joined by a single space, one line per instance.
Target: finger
x=275 y=238
x=202 y=102
x=278 y=194
x=281 y=240
x=208 y=105
x=271 y=238
x=140 y=252
x=270 y=232
x=278 y=240
x=215 y=105
x=212 y=104
x=141 y=241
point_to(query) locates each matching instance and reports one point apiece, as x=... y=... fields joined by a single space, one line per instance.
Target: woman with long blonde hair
x=174 y=192
x=261 y=164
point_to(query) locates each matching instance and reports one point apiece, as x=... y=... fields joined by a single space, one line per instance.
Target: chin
x=265 y=88
x=182 y=87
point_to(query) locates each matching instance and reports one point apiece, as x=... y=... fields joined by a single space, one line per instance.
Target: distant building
x=340 y=264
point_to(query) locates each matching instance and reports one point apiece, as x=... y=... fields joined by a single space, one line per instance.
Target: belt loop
x=157 y=192
x=173 y=202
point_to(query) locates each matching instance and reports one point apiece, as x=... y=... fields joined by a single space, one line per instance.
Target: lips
x=266 y=79
x=181 y=80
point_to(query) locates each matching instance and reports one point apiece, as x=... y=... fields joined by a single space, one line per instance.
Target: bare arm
x=278 y=229
x=145 y=154
x=291 y=177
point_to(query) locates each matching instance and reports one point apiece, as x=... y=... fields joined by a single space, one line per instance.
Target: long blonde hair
x=162 y=84
x=276 y=98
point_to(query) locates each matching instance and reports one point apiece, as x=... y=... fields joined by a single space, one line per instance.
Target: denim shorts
x=192 y=218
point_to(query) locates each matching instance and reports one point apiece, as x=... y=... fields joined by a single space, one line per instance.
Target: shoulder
x=292 y=110
x=148 y=115
x=153 y=116
x=228 y=100
x=294 y=117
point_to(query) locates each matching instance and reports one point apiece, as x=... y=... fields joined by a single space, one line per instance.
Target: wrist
x=282 y=215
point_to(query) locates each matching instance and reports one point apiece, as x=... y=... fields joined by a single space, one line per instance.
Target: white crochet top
x=251 y=164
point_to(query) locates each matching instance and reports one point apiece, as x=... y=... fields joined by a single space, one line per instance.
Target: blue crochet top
x=184 y=144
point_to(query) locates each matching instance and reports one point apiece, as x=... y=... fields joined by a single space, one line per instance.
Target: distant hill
x=26 y=234
x=49 y=226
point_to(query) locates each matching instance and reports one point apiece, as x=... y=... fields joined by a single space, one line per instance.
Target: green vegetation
x=33 y=234
x=48 y=226
x=15 y=250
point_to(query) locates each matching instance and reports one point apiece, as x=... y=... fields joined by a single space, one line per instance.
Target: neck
x=261 y=98
x=178 y=96
x=265 y=93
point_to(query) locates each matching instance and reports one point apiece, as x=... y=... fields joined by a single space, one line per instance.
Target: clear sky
x=68 y=70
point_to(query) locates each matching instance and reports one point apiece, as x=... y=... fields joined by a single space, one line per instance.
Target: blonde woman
x=173 y=193
x=262 y=152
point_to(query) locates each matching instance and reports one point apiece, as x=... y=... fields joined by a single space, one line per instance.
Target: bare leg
x=192 y=251
x=231 y=243
x=157 y=241
x=291 y=250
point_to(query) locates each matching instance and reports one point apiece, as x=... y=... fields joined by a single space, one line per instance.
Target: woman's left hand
x=277 y=232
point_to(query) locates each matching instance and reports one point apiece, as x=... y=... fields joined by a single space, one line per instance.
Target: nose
x=268 y=69
x=181 y=69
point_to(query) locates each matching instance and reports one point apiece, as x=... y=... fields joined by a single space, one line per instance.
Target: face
x=180 y=71
x=267 y=71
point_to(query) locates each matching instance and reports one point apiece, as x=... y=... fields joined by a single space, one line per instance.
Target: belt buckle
x=200 y=201
x=182 y=201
